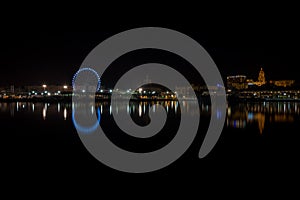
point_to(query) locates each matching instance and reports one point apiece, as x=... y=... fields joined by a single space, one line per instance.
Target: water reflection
x=244 y=114
x=134 y=108
x=239 y=116
x=44 y=113
x=87 y=129
x=65 y=114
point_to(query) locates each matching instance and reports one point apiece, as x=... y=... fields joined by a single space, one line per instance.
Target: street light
x=44 y=86
x=65 y=87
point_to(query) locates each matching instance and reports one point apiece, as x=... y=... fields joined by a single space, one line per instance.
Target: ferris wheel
x=87 y=76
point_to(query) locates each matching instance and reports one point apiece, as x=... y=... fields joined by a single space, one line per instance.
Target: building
x=261 y=78
x=46 y=88
x=238 y=82
x=282 y=83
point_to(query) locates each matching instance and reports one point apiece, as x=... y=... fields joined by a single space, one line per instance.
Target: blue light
x=87 y=69
x=219 y=114
x=86 y=130
x=234 y=123
x=250 y=116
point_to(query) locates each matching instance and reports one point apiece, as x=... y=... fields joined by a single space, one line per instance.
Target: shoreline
x=202 y=100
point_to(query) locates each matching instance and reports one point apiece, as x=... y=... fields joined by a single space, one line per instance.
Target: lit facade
x=238 y=82
x=261 y=78
x=282 y=83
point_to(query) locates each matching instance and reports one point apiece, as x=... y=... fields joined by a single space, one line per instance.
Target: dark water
x=260 y=142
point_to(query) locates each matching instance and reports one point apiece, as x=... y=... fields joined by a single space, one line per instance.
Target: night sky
x=52 y=57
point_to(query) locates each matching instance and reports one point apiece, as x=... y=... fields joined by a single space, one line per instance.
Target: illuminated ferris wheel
x=86 y=77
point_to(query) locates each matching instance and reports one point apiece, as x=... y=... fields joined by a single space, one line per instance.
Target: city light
x=44 y=86
x=65 y=87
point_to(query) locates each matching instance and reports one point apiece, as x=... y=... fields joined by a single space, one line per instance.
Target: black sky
x=52 y=57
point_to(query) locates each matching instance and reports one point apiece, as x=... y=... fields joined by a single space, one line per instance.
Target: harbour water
x=40 y=138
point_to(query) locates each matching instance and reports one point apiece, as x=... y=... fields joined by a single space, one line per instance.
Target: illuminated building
x=238 y=82
x=282 y=83
x=261 y=78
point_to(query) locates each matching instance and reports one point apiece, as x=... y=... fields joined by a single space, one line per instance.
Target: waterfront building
x=261 y=78
x=238 y=82
x=282 y=83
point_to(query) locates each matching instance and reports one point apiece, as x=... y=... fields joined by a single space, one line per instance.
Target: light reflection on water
x=244 y=114
x=239 y=116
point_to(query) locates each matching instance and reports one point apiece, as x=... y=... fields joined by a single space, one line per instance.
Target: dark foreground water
x=259 y=143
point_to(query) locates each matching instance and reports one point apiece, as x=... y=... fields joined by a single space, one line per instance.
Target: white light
x=65 y=114
x=140 y=90
x=140 y=110
x=44 y=113
x=83 y=91
x=101 y=91
x=58 y=92
x=65 y=87
x=49 y=94
x=110 y=91
x=44 y=86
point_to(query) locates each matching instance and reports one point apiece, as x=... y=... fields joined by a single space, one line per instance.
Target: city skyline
x=53 y=58
x=259 y=80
